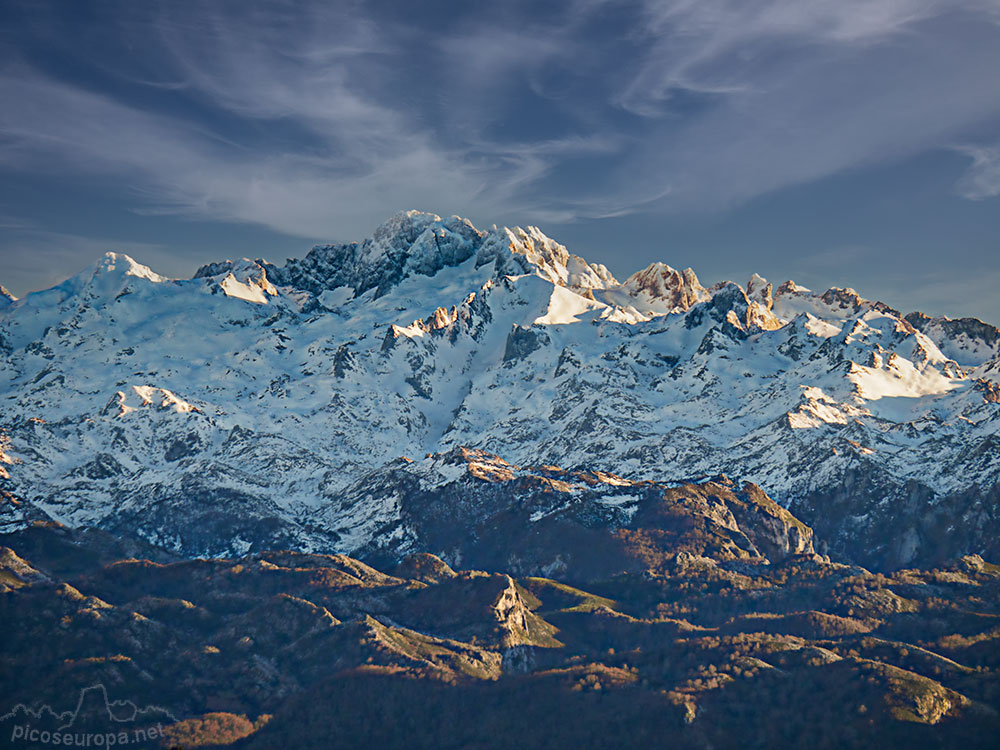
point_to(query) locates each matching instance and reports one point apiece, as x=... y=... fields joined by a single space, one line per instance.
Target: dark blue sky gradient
x=854 y=142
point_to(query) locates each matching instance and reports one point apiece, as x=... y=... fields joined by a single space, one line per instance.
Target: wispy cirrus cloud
x=982 y=178
x=724 y=46
x=315 y=119
x=792 y=92
x=290 y=117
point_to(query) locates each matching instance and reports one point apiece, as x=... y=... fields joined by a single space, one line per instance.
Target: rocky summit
x=447 y=487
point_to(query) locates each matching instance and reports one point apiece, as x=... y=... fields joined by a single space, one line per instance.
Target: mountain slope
x=252 y=405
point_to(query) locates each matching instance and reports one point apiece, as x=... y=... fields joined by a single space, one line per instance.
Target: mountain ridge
x=265 y=392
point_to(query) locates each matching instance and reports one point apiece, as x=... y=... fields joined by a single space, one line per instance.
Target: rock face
x=409 y=243
x=15 y=572
x=665 y=288
x=968 y=341
x=259 y=405
x=775 y=532
x=473 y=508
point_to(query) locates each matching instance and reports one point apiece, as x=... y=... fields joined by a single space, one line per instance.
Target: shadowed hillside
x=701 y=649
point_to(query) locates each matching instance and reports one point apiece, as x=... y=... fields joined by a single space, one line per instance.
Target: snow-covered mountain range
x=257 y=405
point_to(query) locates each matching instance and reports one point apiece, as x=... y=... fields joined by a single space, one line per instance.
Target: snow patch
x=161 y=398
x=250 y=292
x=566 y=307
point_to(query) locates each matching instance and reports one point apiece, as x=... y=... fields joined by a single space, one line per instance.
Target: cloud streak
x=722 y=46
x=318 y=119
x=982 y=179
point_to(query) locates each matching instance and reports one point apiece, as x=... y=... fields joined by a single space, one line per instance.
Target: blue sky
x=851 y=142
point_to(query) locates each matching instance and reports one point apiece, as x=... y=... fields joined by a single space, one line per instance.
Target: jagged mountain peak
x=678 y=290
x=241 y=267
x=420 y=242
x=112 y=275
x=535 y=252
x=245 y=279
x=403 y=228
x=119 y=264
x=729 y=304
x=968 y=341
x=791 y=288
x=416 y=243
x=759 y=290
x=410 y=242
x=847 y=299
x=404 y=225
